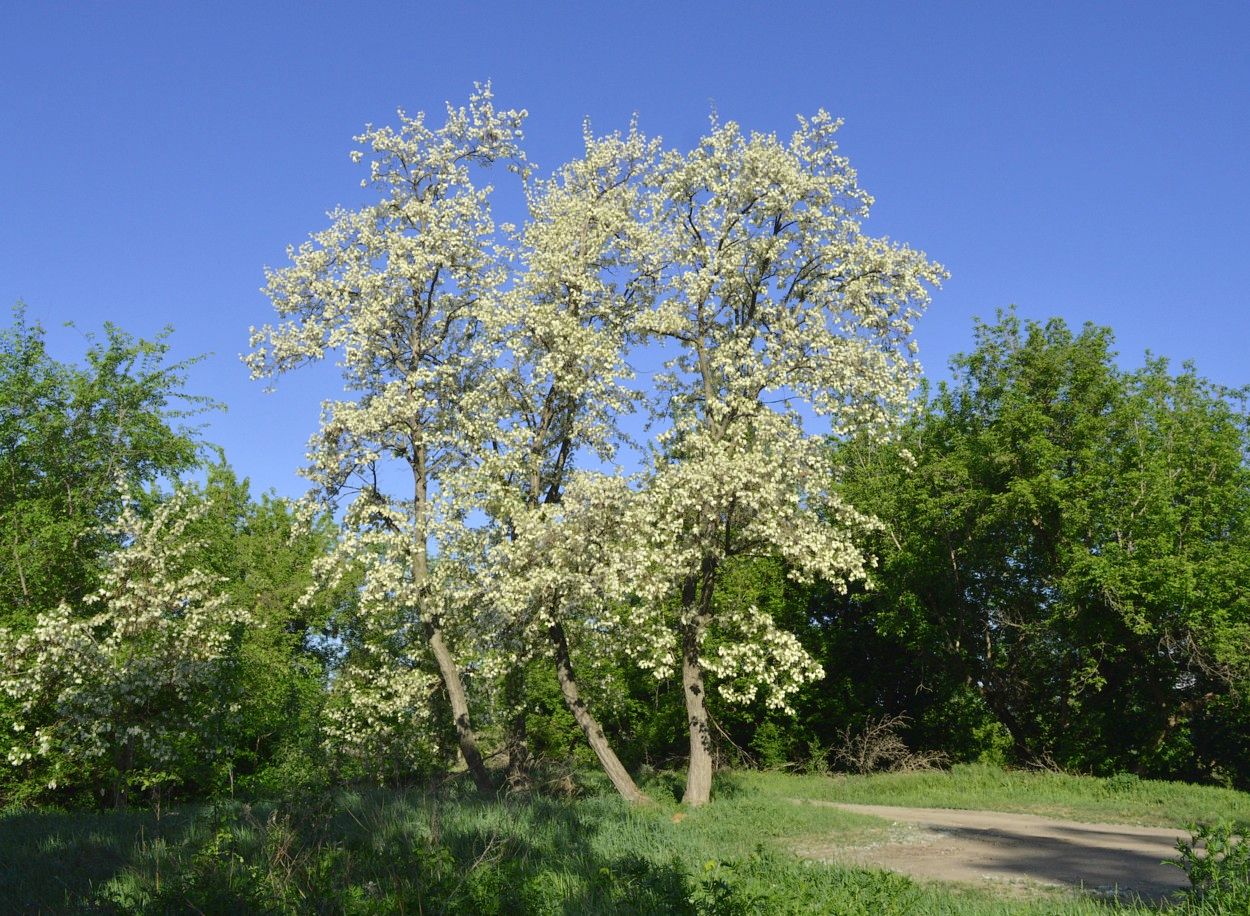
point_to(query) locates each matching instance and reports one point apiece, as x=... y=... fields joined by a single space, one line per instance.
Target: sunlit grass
x=1119 y=799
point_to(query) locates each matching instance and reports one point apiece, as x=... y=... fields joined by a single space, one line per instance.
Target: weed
x=1217 y=860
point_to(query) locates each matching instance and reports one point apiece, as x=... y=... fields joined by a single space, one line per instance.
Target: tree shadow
x=55 y=861
x=1087 y=858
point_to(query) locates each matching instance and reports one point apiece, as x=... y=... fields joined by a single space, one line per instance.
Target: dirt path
x=1017 y=849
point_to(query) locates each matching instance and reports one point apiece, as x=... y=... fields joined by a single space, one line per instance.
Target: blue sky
x=1086 y=160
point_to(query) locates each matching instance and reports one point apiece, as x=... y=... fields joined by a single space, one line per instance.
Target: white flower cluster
x=756 y=656
x=380 y=713
x=124 y=677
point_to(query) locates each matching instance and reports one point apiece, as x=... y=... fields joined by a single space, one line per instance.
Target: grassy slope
x=381 y=851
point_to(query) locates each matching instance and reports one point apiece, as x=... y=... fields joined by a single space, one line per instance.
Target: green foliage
x=1217 y=860
x=74 y=440
x=1065 y=563
x=71 y=438
x=394 y=854
x=766 y=883
x=268 y=713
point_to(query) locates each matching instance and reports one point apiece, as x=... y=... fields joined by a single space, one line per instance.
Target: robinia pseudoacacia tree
x=781 y=310
x=394 y=289
x=113 y=691
x=491 y=363
x=564 y=331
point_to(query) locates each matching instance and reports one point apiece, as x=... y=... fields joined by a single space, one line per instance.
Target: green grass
x=1119 y=799
x=447 y=852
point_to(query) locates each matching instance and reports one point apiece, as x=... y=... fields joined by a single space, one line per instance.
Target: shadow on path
x=956 y=845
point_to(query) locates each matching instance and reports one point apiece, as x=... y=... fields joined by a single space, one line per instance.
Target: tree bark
x=621 y=780
x=516 y=742
x=699 y=773
x=698 y=604
x=21 y=575
x=459 y=708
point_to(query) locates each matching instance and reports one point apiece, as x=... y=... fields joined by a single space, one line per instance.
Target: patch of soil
x=1017 y=851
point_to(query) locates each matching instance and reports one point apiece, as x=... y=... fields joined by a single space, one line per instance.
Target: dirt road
x=1017 y=849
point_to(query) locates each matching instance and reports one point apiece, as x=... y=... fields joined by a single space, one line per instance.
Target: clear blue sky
x=1086 y=160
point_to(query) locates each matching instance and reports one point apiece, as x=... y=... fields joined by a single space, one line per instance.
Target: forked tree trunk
x=459 y=708
x=621 y=780
x=697 y=600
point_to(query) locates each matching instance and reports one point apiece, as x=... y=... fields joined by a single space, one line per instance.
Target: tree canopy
x=492 y=365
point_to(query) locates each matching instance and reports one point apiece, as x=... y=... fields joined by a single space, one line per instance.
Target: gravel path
x=1018 y=849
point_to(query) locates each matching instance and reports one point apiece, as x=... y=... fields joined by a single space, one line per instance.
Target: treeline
x=1043 y=563
x=151 y=640
x=1063 y=552
x=1062 y=581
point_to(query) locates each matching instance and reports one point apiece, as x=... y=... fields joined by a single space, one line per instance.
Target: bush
x=1217 y=860
x=879 y=748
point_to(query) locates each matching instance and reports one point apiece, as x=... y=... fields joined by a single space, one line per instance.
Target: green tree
x=269 y=713
x=72 y=437
x=1065 y=562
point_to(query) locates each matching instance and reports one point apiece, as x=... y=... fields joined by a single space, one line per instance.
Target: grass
x=442 y=852
x=1118 y=799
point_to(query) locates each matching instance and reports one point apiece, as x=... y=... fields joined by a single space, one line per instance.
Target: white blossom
x=124 y=678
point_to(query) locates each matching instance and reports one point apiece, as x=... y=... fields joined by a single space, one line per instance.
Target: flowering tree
x=119 y=685
x=394 y=288
x=780 y=310
x=561 y=389
x=491 y=372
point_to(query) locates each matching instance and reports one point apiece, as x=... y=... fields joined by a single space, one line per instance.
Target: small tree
x=122 y=687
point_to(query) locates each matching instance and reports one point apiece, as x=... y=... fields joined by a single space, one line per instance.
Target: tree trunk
x=125 y=760
x=434 y=634
x=459 y=708
x=516 y=741
x=699 y=774
x=697 y=602
x=621 y=780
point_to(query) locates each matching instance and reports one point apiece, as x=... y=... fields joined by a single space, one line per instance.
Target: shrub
x=1217 y=860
